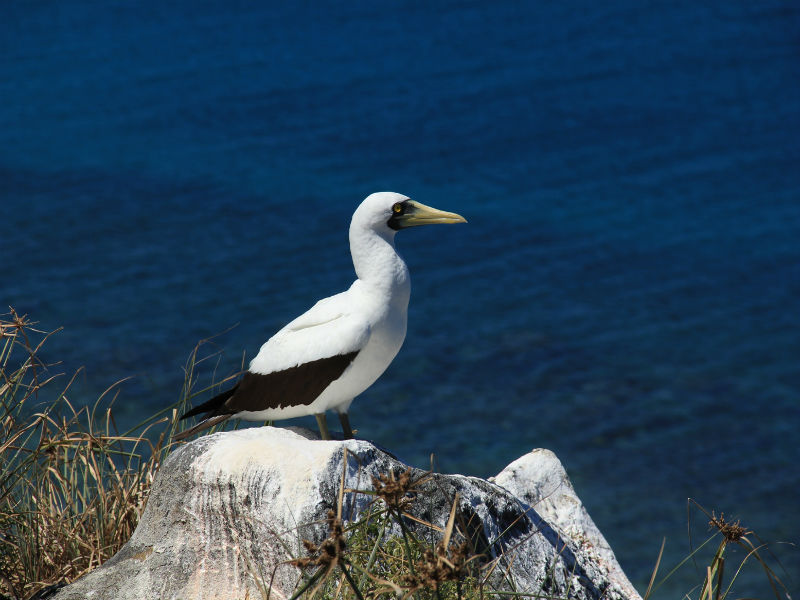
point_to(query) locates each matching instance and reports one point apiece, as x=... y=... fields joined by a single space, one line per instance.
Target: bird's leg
x=323 y=426
x=344 y=419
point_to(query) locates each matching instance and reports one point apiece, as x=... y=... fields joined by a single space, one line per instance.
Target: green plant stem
x=311 y=581
x=352 y=583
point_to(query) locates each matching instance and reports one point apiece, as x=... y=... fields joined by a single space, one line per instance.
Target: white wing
x=328 y=329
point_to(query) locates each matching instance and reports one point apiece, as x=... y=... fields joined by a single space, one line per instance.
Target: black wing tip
x=213 y=406
x=192 y=412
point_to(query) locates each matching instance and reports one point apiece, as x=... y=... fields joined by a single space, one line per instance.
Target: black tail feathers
x=213 y=406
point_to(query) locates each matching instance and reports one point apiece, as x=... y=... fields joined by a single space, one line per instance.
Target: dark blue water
x=627 y=292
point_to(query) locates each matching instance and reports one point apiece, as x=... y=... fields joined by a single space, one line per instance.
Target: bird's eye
x=397 y=208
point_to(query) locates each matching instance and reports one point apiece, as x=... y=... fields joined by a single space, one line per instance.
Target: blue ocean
x=627 y=290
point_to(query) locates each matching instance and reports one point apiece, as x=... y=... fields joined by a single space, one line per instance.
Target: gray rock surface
x=538 y=480
x=227 y=510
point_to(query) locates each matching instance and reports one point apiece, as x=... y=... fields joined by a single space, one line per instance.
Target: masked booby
x=329 y=355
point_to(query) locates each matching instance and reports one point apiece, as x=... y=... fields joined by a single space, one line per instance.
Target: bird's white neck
x=378 y=264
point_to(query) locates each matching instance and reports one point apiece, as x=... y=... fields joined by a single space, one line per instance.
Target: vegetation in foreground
x=379 y=556
x=72 y=490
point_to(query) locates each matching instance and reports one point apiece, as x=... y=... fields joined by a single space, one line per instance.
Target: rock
x=540 y=482
x=228 y=510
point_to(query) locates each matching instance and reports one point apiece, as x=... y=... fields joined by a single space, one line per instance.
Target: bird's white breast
x=387 y=333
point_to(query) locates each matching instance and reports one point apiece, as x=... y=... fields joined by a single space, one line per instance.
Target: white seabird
x=329 y=355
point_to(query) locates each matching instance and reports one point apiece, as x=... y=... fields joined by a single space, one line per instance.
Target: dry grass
x=72 y=489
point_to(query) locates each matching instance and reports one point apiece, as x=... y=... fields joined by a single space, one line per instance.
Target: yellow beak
x=420 y=214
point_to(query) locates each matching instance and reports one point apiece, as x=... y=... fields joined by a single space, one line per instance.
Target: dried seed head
x=398 y=491
x=732 y=532
x=328 y=553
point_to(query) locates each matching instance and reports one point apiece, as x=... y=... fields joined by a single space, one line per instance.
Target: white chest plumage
x=387 y=333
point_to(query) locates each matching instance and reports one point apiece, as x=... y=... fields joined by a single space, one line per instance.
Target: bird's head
x=388 y=212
